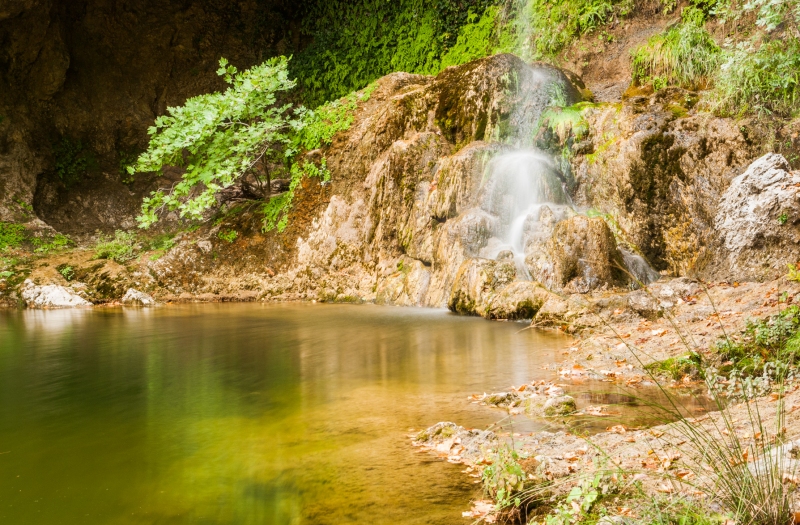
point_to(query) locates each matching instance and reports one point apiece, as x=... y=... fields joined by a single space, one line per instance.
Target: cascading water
x=517 y=184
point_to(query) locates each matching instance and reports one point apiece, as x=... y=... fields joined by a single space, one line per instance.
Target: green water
x=240 y=414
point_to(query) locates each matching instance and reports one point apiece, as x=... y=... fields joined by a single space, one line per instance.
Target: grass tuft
x=684 y=55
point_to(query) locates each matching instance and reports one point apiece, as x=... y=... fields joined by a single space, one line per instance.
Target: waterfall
x=522 y=188
x=517 y=184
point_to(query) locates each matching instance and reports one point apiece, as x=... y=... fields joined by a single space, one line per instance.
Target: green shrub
x=11 y=235
x=356 y=43
x=540 y=29
x=684 y=55
x=44 y=245
x=67 y=272
x=218 y=138
x=764 y=81
x=121 y=248
x=72 y=160
x=676 y=368
x=228 y=235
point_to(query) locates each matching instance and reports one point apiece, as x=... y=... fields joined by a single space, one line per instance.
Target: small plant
x=5 y=274
x=67 y=272
x=684 y=55
x=58 y=242
x=160 y=245
x=121 y=248
x=73 y=160
x=783 y=218
x=761 y=81
x=228 y=235
x=676 y=368
x=794 y=273
x=578 y=503
x=11 y=235
x=504 y=479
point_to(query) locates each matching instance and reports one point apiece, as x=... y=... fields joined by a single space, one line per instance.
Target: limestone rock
x=137 y=298
x=518 y=300
x=644 y=304
x=758 y=219
x=50 y=296
x=476 y=282
x=582 y=256
x=560 y=406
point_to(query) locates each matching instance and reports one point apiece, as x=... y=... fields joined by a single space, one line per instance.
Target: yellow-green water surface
x=243 y=413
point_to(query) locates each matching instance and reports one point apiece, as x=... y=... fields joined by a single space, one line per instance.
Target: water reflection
x=244 y=413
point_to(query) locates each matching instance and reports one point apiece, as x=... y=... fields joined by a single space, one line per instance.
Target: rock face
x=660 y=175
x=583 y=255
x=758 y=220
x=136 y=298
x=50 y=296
x=81 y=82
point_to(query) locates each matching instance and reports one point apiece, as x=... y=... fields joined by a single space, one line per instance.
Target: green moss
x=11 y=236
x=676 y=368
x=121 y=248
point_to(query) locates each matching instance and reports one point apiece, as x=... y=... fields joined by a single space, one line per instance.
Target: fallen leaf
x=616 y=429
x=665 y=488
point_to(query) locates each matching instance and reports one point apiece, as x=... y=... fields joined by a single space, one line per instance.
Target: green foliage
x=578 y=504
x=684 y=55
x=504 y=479
x=44 y=245
x=228 y=235
x=770 y=345
x=217 y=138
x=783 y=218
x=121 y=248
x=540 y=29
x=475 y=40
x=763 y=81
x=676 y=368
x=67 y=272
x=159 y=245
x=357 y=42
x=72 y=160
x=11 y=235
x=313 y=130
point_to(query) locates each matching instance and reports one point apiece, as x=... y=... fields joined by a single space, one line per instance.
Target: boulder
x=50 y=296
x=758 y=218
x=580 y=256
x=644 y=304
x=560 y=406
x=475 y=283
x=518 y=300
x=136 y=298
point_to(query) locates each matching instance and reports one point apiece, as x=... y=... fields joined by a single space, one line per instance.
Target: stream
x=245 y=413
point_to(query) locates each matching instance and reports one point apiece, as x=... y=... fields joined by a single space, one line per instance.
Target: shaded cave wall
x=80 y=81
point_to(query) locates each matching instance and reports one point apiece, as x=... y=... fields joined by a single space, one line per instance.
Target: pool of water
x=244 y=413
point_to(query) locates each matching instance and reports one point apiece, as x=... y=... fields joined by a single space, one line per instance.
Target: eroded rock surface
x=758 y=220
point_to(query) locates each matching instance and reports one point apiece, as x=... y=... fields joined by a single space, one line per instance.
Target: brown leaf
x=617 y=429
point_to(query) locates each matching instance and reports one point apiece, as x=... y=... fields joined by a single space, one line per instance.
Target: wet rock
x=476 y=281
x=580 y=256
x=50 y=296
x=518 y=300
x=462 y=445
x=560 y=406
x=644 y=304
x=757 y=220
x=661 y=177
x=137 y=298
